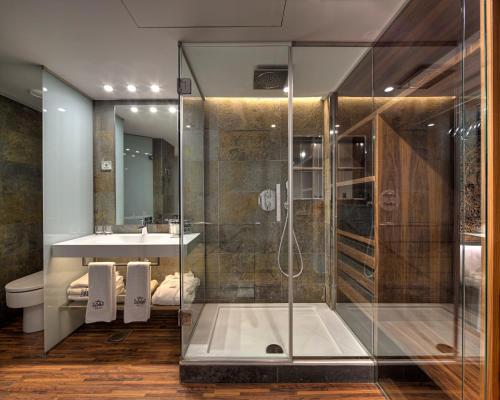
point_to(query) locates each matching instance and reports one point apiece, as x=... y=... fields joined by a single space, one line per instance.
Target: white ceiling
x=92 y=42
x=161 y=125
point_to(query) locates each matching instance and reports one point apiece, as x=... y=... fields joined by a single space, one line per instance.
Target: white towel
x=82 y=294
x=138 y=294
x=101 y=305
x=168 y=293
x=83 y=281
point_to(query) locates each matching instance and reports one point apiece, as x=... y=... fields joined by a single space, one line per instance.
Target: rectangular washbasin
x=123 y=245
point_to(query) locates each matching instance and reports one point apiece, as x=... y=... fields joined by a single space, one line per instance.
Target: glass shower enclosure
x=337 y=198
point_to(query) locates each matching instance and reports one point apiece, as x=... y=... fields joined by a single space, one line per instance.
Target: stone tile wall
x=244 y=155
x=21 y=221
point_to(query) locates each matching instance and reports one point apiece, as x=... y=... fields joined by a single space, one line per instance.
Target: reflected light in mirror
x=108 y=88
x=131 y=88
x=155 y=88
x=153 y=110
x=172 y=109
x=134 y=109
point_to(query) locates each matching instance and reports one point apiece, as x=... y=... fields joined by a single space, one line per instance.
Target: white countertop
x=123 y=245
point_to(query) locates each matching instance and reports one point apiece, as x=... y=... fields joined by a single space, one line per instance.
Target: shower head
x=270 y=77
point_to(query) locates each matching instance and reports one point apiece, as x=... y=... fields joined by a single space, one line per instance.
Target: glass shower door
x=234 y=180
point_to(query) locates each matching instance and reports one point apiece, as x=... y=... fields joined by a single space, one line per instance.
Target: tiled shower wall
x=20 y=194
x=245 y=155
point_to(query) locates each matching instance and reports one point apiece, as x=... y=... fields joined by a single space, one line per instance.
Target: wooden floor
x=144 y=365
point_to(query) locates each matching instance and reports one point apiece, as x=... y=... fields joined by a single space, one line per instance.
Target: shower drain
x=119 y=336
x=274 y=349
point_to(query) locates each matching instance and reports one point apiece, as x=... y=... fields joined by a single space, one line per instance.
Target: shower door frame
x=180 y=132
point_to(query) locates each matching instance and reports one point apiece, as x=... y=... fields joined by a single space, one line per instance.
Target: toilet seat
x=26 y=283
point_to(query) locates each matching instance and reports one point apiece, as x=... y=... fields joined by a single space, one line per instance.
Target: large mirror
x=146 y=163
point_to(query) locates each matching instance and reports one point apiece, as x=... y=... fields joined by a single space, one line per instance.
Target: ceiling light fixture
x=61 y=109
x=285 y=89
x=337 y=125
x=134 y=109
x=155 y=88
x=153 y=110
x=389 y=89
x=45 y=89
x=302 y=154
x=131 y=88
x=273 y=125
x=188 y=126
x=44 y=110
x=172 y=109
x=431 y=124
x=108 y=88
x=127 y=149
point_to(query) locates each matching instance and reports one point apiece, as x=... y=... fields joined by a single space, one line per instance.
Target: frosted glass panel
x=67 y=196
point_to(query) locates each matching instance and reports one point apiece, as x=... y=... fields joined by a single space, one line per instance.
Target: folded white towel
x=83 y=281
x=82 y=294
x=168 y=293
x=101 y=305
x=138 y=294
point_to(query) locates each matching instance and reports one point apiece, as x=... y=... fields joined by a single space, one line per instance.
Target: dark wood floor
x=144 y=365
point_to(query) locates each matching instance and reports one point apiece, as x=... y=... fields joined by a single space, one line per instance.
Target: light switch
x=106 y=165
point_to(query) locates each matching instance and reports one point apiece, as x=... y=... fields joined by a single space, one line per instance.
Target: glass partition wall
x=369 y=161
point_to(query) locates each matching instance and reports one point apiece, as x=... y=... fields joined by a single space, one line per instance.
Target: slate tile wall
x=243 y=156
x=21 y=218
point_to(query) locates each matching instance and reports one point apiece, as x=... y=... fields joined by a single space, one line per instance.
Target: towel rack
x=87 y=260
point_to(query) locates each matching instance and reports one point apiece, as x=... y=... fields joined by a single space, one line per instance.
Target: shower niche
x=307 y=167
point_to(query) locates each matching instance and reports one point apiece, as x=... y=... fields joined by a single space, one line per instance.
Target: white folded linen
x=82 y=294
x=138 y=294
x=83 y=281
x=101 y=305
x=168 y=293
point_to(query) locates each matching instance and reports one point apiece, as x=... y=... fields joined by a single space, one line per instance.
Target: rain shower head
x=270 y=77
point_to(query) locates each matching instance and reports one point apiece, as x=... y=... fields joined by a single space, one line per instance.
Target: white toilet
x=27 y=293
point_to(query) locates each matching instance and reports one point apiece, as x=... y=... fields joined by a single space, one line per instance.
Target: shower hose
x=298 y=248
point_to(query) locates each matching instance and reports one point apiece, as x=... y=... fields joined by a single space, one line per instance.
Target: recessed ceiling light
x=108 y=88
x=137 y=151
x=188 y=126
x=431 y=124
x=285 y=89
x=172 y=109
x=389 y=89
x=337 y=125
x=44 y=110
x=331 y=131
x=131 y=88
x=61 y=109
x=302 y=154
x=153 y=110
x=44 y=89
x=336 y=131
x=273 y=125
x=133 y=155
x=127 y=149
x=134 y=109
x=155 y=88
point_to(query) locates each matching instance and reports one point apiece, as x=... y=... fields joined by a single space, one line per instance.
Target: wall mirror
x=146 y=163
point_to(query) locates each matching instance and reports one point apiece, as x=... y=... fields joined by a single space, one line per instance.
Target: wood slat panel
x=357 y=276
x=365 y=179
x=356 y=254
x=359 y=238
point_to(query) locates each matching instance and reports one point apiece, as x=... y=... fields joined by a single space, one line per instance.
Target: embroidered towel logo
x=139 y=301
x=98 y=304
x=84 y=293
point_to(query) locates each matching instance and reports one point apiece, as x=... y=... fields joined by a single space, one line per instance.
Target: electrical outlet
x=106 y=165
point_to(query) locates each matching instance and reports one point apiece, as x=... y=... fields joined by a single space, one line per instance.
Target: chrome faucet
x=143 y=225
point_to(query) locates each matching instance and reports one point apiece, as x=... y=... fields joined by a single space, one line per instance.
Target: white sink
x=124 y=245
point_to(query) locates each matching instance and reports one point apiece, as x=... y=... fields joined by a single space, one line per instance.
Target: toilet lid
x=26 y=283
